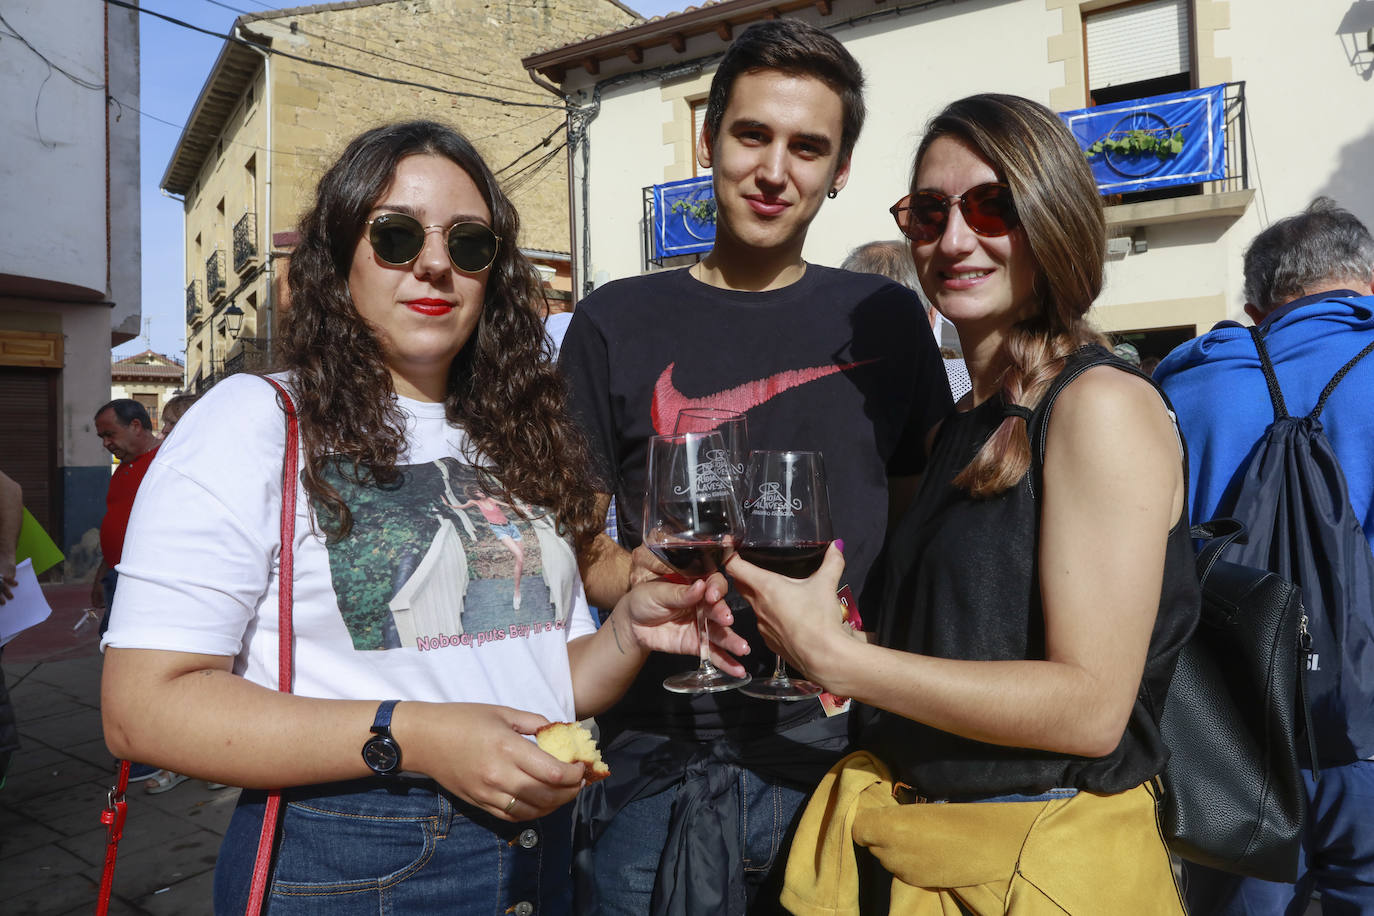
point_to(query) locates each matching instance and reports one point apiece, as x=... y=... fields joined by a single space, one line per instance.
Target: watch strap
x=381 y=723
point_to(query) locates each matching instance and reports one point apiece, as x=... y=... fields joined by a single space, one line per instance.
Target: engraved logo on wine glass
x=771 y=503
x=712 y=476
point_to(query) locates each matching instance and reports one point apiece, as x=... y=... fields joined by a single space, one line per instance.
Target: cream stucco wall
x=641 y=132
x=1309 y=112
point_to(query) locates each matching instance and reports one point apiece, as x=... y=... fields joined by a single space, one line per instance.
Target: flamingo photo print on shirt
x=434 y=559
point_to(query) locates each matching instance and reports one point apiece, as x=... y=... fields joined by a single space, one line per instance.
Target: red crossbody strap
x=113 y=818
x=262 y=864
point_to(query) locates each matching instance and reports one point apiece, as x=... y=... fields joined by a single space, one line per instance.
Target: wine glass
x=691 y=517
x=733 y=429
x=786 y=531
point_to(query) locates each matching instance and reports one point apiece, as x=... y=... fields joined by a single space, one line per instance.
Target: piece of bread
x=571 y=743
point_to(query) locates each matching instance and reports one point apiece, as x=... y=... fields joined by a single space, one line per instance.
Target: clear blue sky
x=175 y=62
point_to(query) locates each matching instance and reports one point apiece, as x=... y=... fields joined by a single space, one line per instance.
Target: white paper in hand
x=27 y=608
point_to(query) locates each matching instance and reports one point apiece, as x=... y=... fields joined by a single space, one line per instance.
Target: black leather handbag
x=1235 y=719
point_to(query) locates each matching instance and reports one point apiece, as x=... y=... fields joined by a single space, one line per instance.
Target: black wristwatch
x=381 y=752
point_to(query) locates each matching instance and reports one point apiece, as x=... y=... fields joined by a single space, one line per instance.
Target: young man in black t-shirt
x=816 y=359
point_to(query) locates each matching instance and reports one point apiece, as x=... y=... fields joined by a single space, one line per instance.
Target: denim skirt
x=402 y=846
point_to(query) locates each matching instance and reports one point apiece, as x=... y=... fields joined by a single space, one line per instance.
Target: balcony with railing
x=214 y=276
x=193 y=301
x=251 y=354
x=245 y=242
x=679 y=221
x=1168 y=158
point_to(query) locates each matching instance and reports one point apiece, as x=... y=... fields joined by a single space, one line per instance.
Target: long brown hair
x=1060 y=210
x=502 y=387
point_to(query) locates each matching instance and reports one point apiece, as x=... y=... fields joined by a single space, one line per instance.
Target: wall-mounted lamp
x=233 y=316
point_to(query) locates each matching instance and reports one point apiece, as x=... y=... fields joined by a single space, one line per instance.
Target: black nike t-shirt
x=838 y=362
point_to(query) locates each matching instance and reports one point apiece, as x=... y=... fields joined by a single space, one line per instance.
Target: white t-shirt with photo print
x=421 y=601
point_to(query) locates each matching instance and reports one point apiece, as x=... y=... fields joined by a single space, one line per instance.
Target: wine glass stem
x=780 y=671
x=704 y=644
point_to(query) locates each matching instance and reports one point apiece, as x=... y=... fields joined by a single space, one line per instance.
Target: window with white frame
x=1138 y=49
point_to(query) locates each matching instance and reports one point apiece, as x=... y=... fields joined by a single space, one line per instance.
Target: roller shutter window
x=1137 y=42
x=30 y=453
x=698 y=119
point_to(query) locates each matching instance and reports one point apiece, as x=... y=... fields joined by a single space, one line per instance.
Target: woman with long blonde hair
x=1037 y=590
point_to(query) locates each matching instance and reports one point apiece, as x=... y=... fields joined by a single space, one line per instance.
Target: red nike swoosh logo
x=668 y=402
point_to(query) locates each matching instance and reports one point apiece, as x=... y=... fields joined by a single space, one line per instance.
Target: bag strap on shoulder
x=262 y=862
x=113 y=816
x=1271 y=379
x=1038 y=424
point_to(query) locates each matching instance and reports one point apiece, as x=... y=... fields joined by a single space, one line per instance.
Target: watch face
x=382 y=754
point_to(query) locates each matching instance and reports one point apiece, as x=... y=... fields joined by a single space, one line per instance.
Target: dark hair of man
x=798 y=48
x=886 y=259
x=502 y=387
x=1060 y=209
x=1306 y=253
x=126 y=411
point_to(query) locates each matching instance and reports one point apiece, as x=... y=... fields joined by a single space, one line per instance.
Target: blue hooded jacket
x=1218 y=390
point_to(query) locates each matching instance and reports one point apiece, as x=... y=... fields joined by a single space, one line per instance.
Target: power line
x=122 y=105
x=544 y=142
x=529 y=172
x=110 y=98
x=124 y=4
x=84 y=83
x=405 y=63
x=253 y=146
x=513 y=127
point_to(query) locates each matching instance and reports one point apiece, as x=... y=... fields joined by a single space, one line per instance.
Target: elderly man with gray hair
x=893 y=260
x=1308 y=285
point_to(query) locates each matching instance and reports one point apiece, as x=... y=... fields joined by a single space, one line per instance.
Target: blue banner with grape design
x=684 y=217
x=1155 y=142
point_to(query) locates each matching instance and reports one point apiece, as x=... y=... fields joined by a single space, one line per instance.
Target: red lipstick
x=435 y=307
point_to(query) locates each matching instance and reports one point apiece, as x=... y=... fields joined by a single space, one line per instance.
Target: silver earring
x=833 y=193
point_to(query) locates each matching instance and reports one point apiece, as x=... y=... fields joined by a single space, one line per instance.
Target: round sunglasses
x=987 y=209
x=398 y=239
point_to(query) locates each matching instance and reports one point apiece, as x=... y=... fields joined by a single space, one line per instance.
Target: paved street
x=52 y=844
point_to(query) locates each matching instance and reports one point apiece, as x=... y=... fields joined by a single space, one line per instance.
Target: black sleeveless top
x=961 y=582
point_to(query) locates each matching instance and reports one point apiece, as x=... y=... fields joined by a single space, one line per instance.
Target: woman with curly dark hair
x=418 y=371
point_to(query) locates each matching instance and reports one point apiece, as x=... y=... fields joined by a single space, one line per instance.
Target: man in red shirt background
x=126 y=431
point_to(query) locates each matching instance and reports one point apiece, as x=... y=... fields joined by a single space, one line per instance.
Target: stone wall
x=476 y=46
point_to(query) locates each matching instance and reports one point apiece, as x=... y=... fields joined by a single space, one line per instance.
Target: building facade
x=276 y=111
x=1297 y=107
x=149 y=378
x=69 y=252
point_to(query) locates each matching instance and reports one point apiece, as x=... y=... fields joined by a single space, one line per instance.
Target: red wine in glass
x=695 y=560
x=786 y=531
x=796 y=561
x=691 y=518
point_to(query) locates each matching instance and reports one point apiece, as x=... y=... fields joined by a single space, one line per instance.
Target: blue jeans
x=627 y=855
x=1337 y=857
x=372 y=846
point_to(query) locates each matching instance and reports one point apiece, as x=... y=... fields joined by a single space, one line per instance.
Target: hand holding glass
x=786 y=531
x=691 y=517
